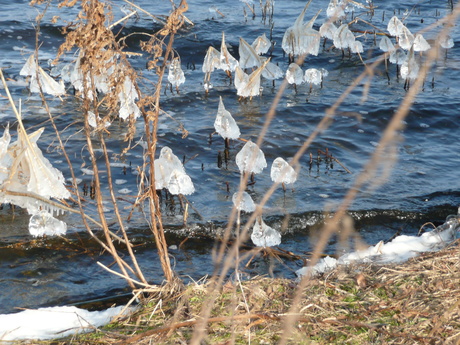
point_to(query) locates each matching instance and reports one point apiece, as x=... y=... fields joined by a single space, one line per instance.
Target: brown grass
x=411 y=303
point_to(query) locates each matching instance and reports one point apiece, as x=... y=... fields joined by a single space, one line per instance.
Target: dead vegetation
x=411 y=303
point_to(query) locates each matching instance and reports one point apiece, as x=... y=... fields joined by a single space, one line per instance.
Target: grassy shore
x=417 y=302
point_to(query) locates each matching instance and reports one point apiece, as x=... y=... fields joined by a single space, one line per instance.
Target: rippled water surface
x=422 y=184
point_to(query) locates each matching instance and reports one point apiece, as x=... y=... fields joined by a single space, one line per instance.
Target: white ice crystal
x=313 y=76
x=248 y=56
x=294 y=74
x=410 y=67
x=44 y=224
x=175 y=75
x=170 y=174
x=420 y=44
x=227 y=61
x=180 y=183
x=343 y=37
x=263 y=235
x=406 y=39
x=127 y=97
x=282 y=172
x=327 y=30
x=248 y=85
x=225 y=124
x=395 y=26
x=386 y=45
x=301 y=38
x=38 y=77
x=261 y=44
x=398 y=56
x=245 y=203
x=400 y=249
x=26 y=173
x=251 y=159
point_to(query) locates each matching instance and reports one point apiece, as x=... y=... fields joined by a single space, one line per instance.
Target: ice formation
x=227 y=62
x=225 y=124
x=263 y=235
x=406 y=39
x=43 y=223
x=301 y=38
x=271 y=71
x=211 y=60
x=294 y=74
x=248 y=56
x=93 y=122
x=314 y=76
x=398 y=56
x=127 y=97
x=420 y=44
x=336 y=9
x=261 y=44
x=245 y=203
x=248 y=85
x=395 y=26
x=38 y=77
x=357 y=47
x=53 y=322
x=327 y=30
x=251 y=159
x=180 y=183
x=175 y=75
x=410 y=67
x=446 y=42
x=343 y=37
x=386 y=45
x=26 y=173
x=400 y=249
x=170 y=174
x=282 y=172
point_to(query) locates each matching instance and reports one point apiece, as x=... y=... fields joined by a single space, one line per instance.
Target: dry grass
x=411 y=303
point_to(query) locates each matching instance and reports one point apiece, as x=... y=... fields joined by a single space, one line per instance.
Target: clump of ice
x=225 y=124
x=39 y=77
x=180 y=183
x=175 y=75
x=261 y=44
x=44 y=224
x=249 y=85
x=343 y=37
x=294 y=74
x=301 y=38
x=245 y=203
x=248 y=56
x=251 y=159
x=170 y=174
x=263 y=235
x=400 y=249
x=282 y=172
x=410 y=68
x=53 y=322
x=36 y=176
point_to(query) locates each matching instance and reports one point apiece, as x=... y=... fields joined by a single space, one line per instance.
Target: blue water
x=422 y=184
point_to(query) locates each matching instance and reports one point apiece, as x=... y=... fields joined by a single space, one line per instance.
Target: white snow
x=400 y=249
x=53 y=322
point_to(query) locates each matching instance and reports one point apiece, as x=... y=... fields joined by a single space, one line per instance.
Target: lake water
x=423 y=185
